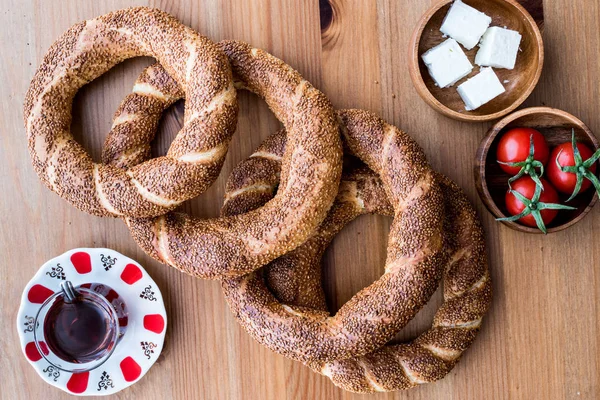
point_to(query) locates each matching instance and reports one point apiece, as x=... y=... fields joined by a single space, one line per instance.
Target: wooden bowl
x=492 y=182
x=521 y=80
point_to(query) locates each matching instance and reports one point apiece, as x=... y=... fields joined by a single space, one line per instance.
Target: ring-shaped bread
x=295 y=278
x=373 y=316
x=310 y=173
x=413 y=267
x=89 y=49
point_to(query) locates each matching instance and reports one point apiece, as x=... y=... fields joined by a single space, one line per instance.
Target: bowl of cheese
x=476 y=60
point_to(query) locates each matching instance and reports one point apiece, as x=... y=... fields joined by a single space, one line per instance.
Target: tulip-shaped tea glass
x=76 y=329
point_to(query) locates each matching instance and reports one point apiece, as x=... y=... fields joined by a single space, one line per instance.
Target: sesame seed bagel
x=413 y=267
x=295 y=278
x=372 y=317
x=86 y=51
x=467 y=298
x=310 y=173
x=415 y=255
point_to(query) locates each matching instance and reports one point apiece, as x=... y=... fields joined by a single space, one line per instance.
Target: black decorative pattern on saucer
x=57 y=272
x=105 y=381
x=29 y=321
x=148 y=294
x=107 y=261
x=148 y=348
x=52 y=372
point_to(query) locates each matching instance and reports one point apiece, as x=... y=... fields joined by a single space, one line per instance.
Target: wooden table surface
x=540 y=340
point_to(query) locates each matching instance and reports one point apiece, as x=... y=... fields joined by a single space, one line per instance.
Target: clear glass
x=76 y=335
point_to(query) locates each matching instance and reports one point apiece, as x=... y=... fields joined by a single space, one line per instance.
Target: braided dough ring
x=310 y=174
x=376 y=314
x=86 y=51
x=372 y=317
x=413 y=267
x=295 y=278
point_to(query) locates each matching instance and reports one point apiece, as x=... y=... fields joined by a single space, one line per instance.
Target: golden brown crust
x=363 y=324
x=136 y=120
x=435 y=352
x=311 y=164
x=467 y=287
x=150 y=188
x=415 y=257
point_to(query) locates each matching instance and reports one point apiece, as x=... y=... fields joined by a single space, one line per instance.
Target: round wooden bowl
x=519 y=82
x=492 y=182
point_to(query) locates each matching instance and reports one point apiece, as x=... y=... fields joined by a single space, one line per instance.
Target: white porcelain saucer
x=139 y=305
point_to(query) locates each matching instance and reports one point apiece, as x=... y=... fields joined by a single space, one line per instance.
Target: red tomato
x=514 y=147
x=526 y=186
x=565 y=181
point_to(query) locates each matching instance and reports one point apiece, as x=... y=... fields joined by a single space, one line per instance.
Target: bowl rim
x=423 y=91
x=482 y=153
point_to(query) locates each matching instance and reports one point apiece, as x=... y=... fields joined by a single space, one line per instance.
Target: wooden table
x=540 y=340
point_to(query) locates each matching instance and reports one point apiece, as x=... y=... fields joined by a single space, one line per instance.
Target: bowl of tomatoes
x=537 y=170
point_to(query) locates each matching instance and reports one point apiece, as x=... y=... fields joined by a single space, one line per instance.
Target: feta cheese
x=499 y=48
x=447 y=63
x=481 y=89
x=465 y=24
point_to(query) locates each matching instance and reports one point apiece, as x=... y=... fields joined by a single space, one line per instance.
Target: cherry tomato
x=514 y=147
x=526 y=186
x=565 y=181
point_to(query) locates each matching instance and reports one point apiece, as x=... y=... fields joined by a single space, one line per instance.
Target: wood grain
x=540 y=340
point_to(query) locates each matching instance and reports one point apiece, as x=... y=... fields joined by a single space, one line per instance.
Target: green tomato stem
x=534 y=207
x=581 y=168
x=528 y=167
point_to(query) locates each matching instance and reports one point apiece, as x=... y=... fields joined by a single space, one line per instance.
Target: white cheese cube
x=447 y=63
x=465 y=24
x=499 y=48
x=481 y=89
